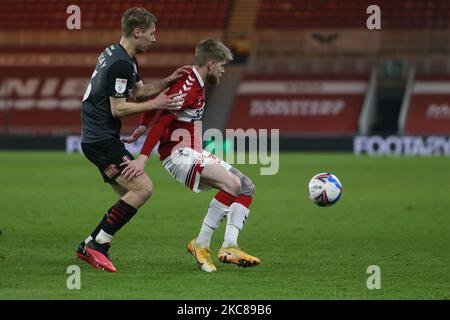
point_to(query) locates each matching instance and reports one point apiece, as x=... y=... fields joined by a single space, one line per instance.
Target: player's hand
x=134 y=168
x=178 y=73
x=139 y=131
x=171 y=102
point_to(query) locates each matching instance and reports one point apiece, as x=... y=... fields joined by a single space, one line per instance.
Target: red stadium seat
x=99 y=14
x=293 y=14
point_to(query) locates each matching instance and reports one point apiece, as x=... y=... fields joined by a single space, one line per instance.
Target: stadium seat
x=293 y=14
x=51 y=14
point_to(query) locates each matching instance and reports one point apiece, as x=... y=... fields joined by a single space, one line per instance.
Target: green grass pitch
x=394 y=213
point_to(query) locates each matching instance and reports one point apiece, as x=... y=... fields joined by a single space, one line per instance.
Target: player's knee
x=145 y=191
x=247 y=186
x=148 y=191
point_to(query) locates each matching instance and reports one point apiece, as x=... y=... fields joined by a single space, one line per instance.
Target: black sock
x=99 y=227
x=117 y=217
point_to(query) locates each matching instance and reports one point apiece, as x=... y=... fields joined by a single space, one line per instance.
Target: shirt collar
x=199 y=77
x=121 y=46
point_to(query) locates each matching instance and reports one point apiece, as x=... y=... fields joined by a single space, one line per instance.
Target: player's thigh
x=216 y=176
x=141 y=183
x=118 y=189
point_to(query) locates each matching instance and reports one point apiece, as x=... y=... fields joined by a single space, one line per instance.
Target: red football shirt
x=176 y=129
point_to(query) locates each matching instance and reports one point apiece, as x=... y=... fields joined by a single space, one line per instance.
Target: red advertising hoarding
x=47 y=100
x=300 y=105
x=429 y=108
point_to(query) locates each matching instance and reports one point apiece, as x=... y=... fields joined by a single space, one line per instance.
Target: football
x=324 y=189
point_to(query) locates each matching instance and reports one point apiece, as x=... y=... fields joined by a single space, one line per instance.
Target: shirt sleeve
x=156 y=132
x=149 y=118
x=188 y=94
x=119 y=75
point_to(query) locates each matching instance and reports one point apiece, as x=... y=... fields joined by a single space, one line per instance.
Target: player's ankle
x=228 y=244
x=103 y=237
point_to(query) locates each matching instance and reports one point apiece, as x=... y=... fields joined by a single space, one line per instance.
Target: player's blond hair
x=211 y=49
x=136 y=17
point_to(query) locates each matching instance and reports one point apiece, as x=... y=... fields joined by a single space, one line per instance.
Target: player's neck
x=129 y=48
x=202 y=71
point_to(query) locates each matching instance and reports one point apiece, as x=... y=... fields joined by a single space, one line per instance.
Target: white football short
x=186 y=165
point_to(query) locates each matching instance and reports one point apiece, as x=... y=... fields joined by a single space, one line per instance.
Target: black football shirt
x=115 y=75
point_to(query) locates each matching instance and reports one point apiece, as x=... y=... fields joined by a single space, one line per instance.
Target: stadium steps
x=242 y=18
x=221 y=98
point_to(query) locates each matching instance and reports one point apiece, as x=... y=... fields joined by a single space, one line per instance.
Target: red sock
x=246 y=201
x=225 y=198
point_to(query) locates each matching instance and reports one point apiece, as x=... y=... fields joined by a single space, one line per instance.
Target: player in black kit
x=113 y=84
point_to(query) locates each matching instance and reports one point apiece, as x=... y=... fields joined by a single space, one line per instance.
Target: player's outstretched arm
x=136 y=167
x=121 y=108
x=147 y=119
x=142 y=92
x=139 y=131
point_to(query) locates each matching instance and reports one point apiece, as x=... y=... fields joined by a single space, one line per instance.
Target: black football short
x=107 y=155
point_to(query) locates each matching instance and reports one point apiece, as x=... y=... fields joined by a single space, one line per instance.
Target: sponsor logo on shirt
x=121 y=85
